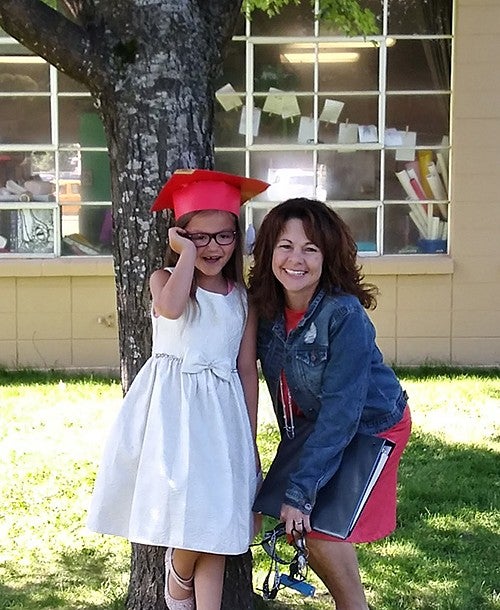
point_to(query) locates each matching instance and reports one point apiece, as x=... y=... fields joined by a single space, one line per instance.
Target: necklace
x=286 y=403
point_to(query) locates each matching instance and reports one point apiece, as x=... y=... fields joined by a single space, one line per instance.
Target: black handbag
x=340 y=502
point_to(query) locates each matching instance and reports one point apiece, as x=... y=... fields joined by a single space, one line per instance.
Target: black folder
x=340 y=502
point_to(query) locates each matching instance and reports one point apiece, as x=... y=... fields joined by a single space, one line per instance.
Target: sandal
x=186 y=584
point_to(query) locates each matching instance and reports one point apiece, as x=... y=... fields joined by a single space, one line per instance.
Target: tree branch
x=49 y=34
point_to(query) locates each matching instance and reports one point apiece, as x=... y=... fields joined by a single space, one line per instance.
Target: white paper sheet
x=306 y=130
x=257 y=113
x=407 y=150
x=367 y=133
x=348 y=133
x=274 y=101
x=228 y=98
x=331 y=111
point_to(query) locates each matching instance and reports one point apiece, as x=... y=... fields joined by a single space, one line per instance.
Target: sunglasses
x=222 y=238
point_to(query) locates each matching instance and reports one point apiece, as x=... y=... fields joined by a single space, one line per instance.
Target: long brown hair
x=341 y=270
x=232 y=270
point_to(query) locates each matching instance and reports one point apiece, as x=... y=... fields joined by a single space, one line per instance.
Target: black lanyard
x=298 y=567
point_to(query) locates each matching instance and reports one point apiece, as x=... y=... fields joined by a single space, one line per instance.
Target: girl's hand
x=294 y=519
x=178 y=242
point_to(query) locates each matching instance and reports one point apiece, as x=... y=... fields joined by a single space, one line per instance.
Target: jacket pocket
x=313 y=357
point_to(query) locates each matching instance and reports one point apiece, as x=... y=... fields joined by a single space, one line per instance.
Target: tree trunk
x=147 y=580
x=165 y=132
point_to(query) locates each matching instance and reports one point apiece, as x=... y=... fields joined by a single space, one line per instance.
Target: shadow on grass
x=67 y=587
x=444 y=553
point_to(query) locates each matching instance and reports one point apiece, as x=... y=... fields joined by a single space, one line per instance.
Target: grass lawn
x=445 y=554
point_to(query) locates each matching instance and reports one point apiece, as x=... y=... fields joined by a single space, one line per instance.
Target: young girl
x=180 y=466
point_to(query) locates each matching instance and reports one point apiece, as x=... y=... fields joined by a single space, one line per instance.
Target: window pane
x=353 y=175
x=67 y=84
x=414 y=228
x=95 y=178
x=29 y=231
x=349 y=66
x=425 y=177
x=292 y=21
x=228 y=127
x=279 y=117
x=340 y=116
x=427 y=115
x=419 y=64
x=234 y=67
x=272 y=68
x=230 y=162
x=363 y=225
x=27 y=176
x=420 y=17
x=86 y=230
x=25 y=120
x=78 y=122
x=21 y=73
x=290 y=173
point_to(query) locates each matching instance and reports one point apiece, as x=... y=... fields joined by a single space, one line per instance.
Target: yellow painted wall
x=58 y=313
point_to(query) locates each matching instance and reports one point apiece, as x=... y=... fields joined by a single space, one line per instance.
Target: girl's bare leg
x=209 y=581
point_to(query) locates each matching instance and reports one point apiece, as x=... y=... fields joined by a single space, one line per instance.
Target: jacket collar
x=278 y=327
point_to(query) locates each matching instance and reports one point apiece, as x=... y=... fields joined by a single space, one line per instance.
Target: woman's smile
x=297 y=264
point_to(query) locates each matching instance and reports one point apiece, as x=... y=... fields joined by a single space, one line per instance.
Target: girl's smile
x=211 y=258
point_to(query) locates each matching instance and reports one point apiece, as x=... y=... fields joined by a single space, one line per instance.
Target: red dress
x=378 y=518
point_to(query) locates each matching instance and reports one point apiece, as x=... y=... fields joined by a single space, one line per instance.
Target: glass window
x=291 y=21
x=363 y=225
x=341 y=116
x=23 y=73
x=27 y=230
x=419 y=64
x=86 y=229
x=276 y=67
x=348 y=66
x=24 y=120
x=351 y=174
x=79 y=122
x=361 y=123
x=417 y=17
x=428 y=116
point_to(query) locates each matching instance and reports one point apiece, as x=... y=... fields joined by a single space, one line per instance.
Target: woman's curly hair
x=341 y=270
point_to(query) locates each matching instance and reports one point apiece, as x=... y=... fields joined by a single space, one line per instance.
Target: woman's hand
x=294 y=519
x=178 y=242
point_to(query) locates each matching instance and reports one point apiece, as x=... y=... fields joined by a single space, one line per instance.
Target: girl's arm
x=247 y=369
x=170 y=290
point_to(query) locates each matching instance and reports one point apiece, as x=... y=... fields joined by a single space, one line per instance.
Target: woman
x=317 y=349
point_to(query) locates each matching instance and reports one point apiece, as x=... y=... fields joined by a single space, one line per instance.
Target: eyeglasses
x=223 y=238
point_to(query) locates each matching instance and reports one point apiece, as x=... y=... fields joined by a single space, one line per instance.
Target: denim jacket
x=336 y=375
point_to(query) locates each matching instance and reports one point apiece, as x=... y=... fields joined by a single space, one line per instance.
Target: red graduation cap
x=193 y=190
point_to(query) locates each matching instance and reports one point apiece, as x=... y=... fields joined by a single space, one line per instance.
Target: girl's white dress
x=179 y=465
